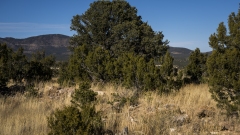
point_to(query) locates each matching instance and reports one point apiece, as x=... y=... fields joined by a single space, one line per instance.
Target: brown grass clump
x=28 y=116
x=188 y=111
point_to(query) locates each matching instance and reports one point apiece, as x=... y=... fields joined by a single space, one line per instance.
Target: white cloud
x=31 y=27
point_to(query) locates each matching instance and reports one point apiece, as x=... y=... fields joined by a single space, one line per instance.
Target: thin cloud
x=31 y=27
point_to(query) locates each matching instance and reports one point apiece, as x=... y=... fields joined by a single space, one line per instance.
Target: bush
x=78 y=119
x=197 y=66
x=84 y=96
x=65 y=121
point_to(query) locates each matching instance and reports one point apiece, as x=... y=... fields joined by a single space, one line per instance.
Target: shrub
x=65 y=121
x=78 y=119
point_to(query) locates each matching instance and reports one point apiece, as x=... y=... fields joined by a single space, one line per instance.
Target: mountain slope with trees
x=58 y=46
x=52 y=44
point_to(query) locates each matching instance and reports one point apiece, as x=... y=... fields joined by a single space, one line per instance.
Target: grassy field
x=188 y=111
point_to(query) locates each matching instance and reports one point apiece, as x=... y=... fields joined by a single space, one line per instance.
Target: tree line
x=23 y=71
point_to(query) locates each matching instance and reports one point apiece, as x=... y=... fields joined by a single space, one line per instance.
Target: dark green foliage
x=5 y=56
x=71 y=121
x=113 y=44
x=179 y=82
x=39 y=67
x=92 y=122
x=196 y=66
x=14 y=66
x=79 y=119
x=19 y=64
x=84 y=96
x=115 y=26
x=67 y=121
x=63 y=73
x=129 y=69
x=224 y=65
x=167 y=65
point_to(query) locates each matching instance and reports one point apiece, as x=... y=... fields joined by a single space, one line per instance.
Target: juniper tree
x=80 y=118
x=110 y=28
x=196 y=67
x=113 y=44
x=224 y=64
x=19 y=65
x=5 y=56
x=115 y=26
x=39 y=67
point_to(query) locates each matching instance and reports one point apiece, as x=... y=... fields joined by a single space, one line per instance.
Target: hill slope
x=52 y=44
x=57 y=45
x=180 y=55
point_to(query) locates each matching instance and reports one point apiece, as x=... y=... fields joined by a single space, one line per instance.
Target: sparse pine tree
x=224 y=65
x=196 y=66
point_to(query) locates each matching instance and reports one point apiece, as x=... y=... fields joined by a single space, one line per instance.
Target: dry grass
x=150 y=113
x=28 y=116
x=178 y=113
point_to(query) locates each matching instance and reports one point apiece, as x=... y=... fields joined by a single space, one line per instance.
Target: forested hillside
x=53 y=44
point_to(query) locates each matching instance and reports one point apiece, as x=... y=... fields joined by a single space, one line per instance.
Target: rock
x=61 y=91
x=100 y=93
x=172 y=130
x=125 y=131
x=182 y=119
x=70 y=92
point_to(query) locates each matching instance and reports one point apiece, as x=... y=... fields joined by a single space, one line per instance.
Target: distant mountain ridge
x=56 y=40
x=180 y=55
x=52 y=44
x=57 y=45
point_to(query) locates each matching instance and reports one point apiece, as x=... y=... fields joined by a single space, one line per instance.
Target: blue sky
x=185 y=23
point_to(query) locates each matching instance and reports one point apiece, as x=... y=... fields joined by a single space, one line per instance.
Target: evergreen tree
x=166 y=70
x=167 y=65
x=5 y=56
x=80 y=118
x=18 y=67
x=106 y=32
x=115 y=26
x=196 y=66
x=39 y=67
x=224 y=65
x=113 y=44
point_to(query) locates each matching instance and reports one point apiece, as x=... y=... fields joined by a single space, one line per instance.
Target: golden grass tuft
x=147 y=113
x=28 y=116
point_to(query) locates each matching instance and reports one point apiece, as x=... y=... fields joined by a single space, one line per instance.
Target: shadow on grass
x=12 y=90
